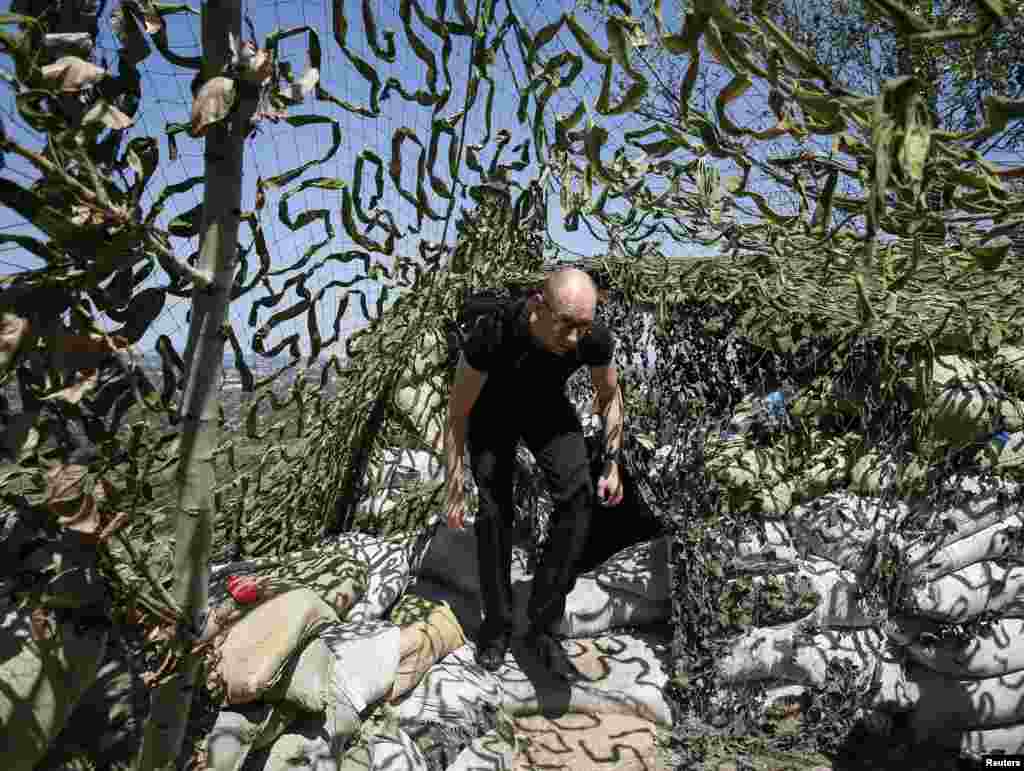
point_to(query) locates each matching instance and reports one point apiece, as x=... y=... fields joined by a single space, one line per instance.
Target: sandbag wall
x=922 y=602
x=359 y=654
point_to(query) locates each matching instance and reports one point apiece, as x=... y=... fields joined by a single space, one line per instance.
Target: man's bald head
x=571 y=291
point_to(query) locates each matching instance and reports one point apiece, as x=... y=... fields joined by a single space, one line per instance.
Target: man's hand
x=609 y=486
x=457 y=512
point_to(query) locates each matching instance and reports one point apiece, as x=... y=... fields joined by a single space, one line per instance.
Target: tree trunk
x=171 y=700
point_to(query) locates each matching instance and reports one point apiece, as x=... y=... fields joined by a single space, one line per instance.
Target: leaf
x=144 y=308
x=134 y=47
x=297 y=91
x=74 y=393
x=142 y=156
x=212 y=104
x=14 y=331
x=108 y=115
x=69 y=74
x=187 y=224
x=991 y=255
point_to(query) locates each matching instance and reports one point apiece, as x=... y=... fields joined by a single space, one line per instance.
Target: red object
x=245 y=589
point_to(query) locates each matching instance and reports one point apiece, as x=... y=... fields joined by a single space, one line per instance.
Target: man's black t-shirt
x=502 y=347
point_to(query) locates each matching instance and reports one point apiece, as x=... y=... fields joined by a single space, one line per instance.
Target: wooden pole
x=171 y=700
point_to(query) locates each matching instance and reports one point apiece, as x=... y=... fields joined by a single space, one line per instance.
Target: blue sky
x=277 y=148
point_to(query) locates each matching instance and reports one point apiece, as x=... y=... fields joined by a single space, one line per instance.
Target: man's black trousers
x=551 y=430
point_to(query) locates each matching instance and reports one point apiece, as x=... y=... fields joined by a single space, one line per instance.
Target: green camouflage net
x=899 y=233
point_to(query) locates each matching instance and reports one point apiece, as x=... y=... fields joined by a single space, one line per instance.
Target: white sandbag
x=999 y=651
x=784 y=654
x=993 y=741
x=629 y=589
x=949 y=704
x=364 y=669
x=988 y=544
x=963 y=521
x=453 y=690
x=244 y=728
x=43 y=675
x=842 y=528
x=388 y=572
x=393 y=750
x=622 y=674
x=902 y=630
x=842 y=605
x=965 y=594
x=641 y=569
x=775 y=543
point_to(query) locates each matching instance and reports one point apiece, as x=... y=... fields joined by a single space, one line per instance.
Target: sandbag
x=254 y=652
x=594 y=608
x=999 y=651
x=978 y=513
x=1008 y=740
x=621 y=674
x=338 y=574
x=842 y=528
x=364 y=668
x=305 y=745
x=949 y=704
x=775 y=543
x=961 y=409
x=44 y=672
x=967 y=593
x=988 y=544
x=393 y=750
x=783 y=654
x=572 y=742
x=429 y=632
x=841 y=605
x=388 y=572
x=307 y=685
x=452 y=691
x=241 y=729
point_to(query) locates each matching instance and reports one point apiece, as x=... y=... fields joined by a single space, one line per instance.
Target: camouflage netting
x=871 y=287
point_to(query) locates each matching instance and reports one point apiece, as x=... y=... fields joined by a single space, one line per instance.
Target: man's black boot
x=492 y=650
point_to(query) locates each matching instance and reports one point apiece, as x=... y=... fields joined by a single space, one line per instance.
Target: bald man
x=510 y=386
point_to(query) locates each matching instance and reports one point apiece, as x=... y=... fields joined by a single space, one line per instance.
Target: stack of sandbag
x=299 y=675
x=302 y=638
x=947 y=649
x=823 y=550
x=961 y=627
x=622 y=670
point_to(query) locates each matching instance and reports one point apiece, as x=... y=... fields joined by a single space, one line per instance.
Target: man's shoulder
x=493 y=332
x=596 y=348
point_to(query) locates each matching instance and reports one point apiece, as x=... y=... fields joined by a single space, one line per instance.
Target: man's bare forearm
x=612 y=414
x=455 y=451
